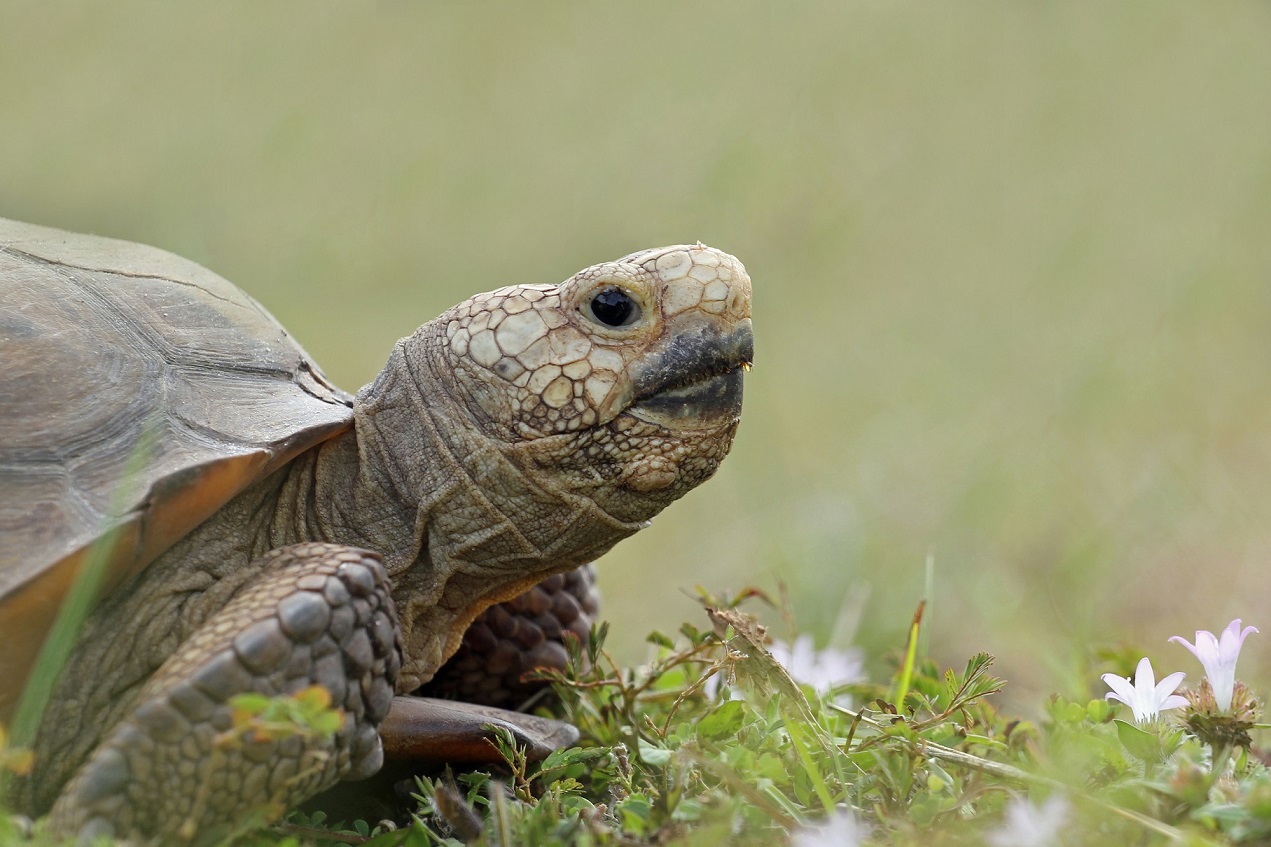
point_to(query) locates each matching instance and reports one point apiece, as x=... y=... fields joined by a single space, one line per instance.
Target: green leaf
x=1099 y=711
x=692 y=633
x=653 y=755
x=724 y=719
x=911 y=651
x=687 y=811
x=1143 y=745
x=561 y=759
x=660 y=640
x=635 y=812
x=250 y=703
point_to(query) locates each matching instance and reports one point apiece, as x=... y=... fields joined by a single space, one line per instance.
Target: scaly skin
x=514 y=437
x=510 y=639
x=317 y=614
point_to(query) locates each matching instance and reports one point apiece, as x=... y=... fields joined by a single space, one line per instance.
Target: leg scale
x=316 y=614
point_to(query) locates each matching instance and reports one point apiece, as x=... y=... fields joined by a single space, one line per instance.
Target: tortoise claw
x=428 y=732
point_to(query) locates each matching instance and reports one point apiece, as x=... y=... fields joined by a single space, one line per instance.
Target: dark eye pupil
x=613 y=307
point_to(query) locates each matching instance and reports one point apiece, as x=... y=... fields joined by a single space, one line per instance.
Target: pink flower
x=1218 y=655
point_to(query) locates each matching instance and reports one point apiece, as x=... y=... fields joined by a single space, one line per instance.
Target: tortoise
x=261 y=530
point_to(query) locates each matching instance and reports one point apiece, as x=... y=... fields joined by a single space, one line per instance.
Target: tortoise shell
x=139 y=392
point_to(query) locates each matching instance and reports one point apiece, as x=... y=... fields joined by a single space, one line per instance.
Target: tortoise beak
x=695 y=380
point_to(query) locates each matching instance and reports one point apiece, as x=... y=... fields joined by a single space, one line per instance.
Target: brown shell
x=138 y=392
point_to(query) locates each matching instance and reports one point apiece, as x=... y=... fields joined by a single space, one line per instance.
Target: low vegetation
x=730 y=737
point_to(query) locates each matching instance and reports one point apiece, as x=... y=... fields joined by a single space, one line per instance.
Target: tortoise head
x=526 y=431
x=623 y=383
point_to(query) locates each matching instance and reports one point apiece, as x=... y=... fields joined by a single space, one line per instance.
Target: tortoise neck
x=463 y=520
x=401 y=483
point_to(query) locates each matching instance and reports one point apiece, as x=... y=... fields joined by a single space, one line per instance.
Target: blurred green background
x=1012 y=264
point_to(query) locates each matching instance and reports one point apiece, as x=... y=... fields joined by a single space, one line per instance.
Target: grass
x=713 y=741
x=1009 y=262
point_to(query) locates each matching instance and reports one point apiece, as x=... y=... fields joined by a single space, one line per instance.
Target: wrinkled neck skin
x=463 y=519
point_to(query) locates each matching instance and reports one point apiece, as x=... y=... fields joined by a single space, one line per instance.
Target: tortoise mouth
x=696 y=380
x=713 y=401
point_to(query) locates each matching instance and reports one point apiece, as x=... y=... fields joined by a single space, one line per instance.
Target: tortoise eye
x=614 y=307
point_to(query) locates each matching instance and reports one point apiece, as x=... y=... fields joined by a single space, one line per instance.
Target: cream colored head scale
x=563 y=353
x=639 y=359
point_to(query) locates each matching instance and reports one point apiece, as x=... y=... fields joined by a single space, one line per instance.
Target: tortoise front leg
x=315 y=614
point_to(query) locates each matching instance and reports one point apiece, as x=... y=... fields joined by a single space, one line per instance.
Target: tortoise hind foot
x=508 y=641
x=178 y=768
x=502 y=645
x=430 y=733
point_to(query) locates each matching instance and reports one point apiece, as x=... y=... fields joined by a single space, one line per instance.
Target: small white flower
x=1218 y=656
x=841 y=829
x=1144 y=696
x=824 y=670
x=1029 y=825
